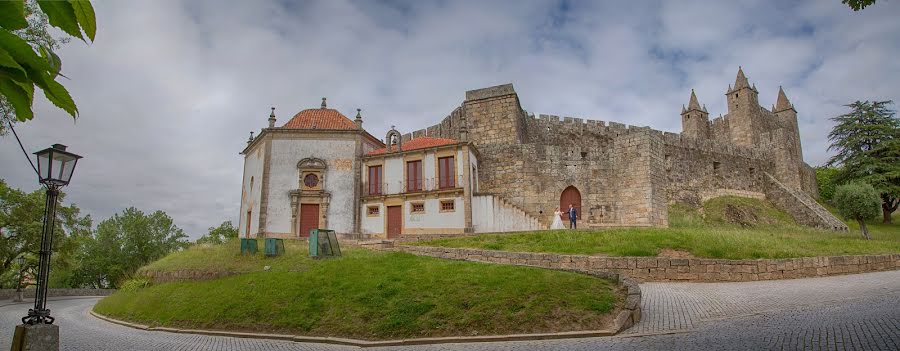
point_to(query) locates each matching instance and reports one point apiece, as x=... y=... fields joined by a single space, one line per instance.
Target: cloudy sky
x=170 y=90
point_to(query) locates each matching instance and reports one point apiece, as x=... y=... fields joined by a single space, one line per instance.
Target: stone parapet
x=6 y=294
x=673 y=269
x=182 y=275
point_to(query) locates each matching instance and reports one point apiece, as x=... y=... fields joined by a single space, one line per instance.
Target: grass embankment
x=365 y=294
x=726 y=227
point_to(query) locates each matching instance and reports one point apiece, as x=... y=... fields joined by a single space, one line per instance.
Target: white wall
x=250 y=197
x=372 y=225
x=393 y=175
x=284 y=177
x=428 y=171
x=473 y=176
x=492 y=214
x=433 y=217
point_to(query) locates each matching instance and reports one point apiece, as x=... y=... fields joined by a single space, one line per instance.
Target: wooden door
x=570 y=195
x=394 y=221
x=309 y=218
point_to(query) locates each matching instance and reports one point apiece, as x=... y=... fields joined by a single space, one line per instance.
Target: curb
x=370 y=343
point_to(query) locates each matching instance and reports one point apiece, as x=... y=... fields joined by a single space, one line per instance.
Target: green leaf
x=12 y=15
x=19 y=96
x=20 y=51
x=52 y=59
x=84 y=12
x=55 y=92
x=11 y=68
x=62 y=15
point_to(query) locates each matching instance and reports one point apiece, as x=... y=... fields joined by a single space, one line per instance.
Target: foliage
x=220 y=234
x=867 y=141
x=857 y=5
x=691 y=233
x=135 y=284
x=125 y=242
x=21 y=222
x=858 y=202
x=27 y=58
x=370 y=295
x=825 y=180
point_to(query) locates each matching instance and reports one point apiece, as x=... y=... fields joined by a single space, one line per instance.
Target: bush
x=135 y=284
x=859 y=202
x=825 y=180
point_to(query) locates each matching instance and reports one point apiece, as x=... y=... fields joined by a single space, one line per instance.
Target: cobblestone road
x=853 y=312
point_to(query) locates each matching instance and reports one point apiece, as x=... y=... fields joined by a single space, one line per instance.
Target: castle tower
x=695 y=119
x=743 y=105
x=789 y=153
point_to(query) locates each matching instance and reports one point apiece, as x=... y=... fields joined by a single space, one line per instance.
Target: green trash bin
x=248 y=246
x=323 y=243
x=274 y=247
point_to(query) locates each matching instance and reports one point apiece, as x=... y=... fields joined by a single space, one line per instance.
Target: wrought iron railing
x=411 y=186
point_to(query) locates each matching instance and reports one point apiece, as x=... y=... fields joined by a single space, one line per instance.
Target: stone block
x=38 y=337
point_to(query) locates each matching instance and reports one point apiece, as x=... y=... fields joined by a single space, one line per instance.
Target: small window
x=448 y=205
x=752 y=170
x=716 y=166
x=373 y=210
x=417 y=207
x=583 y=154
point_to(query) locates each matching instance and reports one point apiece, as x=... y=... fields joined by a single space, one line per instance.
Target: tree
x=825 y=180
x=27 y=58
x=124 y=243
x=21 y=222
x=220 y=234
x=857 y=201
x=867 y=141
x=857 y=5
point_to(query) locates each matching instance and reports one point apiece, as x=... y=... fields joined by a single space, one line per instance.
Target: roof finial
x=272 y=118
x=323 y=103
x=251 y=138
x=358 y=113
x=358 y=119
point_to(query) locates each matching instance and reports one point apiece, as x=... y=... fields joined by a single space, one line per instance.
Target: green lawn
x=367 y=294
x=705 y=233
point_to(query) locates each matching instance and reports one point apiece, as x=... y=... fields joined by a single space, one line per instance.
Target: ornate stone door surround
x=310 y=190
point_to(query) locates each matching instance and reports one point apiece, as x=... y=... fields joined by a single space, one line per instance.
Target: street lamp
x=55 y=168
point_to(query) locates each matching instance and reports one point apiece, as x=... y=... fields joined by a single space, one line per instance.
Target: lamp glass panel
x=63 y=166
x=44 y=165
x=56 y=167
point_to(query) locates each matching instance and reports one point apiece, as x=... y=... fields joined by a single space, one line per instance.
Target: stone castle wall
x=626 y=175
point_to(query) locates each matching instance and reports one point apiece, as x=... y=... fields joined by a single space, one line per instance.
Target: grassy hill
x=725 y=227
x=365 y=294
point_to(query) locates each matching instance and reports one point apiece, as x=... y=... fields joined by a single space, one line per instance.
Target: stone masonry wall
x=675 y=269
x=802 y=207
x=6 y=294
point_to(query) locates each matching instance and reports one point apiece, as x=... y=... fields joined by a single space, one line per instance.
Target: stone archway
x=570 y=195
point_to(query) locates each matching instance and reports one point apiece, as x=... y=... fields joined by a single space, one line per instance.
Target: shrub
x=858 y=201
x=135 y=284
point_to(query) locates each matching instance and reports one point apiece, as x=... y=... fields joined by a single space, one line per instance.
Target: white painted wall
x=433 y=217
x=473 y=176
x=250 y=197
x=372 y=225
x=393 y=175
x=428 y=172
x=492 y=214
x=284 y=177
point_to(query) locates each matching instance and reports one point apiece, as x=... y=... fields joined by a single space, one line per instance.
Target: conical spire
x=693 y=104
x=782 y=103
x=741 y=80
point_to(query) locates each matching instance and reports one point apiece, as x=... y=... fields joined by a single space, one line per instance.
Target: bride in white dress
x=557 y=220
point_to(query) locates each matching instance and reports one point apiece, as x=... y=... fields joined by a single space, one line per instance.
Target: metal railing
x=410 y=186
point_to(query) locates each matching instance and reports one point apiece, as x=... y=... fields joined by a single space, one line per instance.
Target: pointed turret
x=741 y=80
x=693 y=104
x=782 y=103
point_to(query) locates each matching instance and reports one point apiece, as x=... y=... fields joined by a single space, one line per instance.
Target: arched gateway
x=570 y=195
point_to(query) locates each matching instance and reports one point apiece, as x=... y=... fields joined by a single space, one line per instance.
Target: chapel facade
x=489 y=166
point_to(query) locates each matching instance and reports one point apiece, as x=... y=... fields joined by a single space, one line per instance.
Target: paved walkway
x=853 y=312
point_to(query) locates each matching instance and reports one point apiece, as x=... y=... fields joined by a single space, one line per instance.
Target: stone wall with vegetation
x=6 y=294
x=674 y=269
x=802 y=207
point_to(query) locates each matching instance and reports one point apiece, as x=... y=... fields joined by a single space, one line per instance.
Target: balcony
x=407 y=187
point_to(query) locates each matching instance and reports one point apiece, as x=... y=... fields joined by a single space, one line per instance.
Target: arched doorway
x=570 y=195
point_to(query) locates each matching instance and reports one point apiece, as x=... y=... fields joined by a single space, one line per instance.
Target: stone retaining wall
x=674 y=269
x=6 y=294
x=181 y=275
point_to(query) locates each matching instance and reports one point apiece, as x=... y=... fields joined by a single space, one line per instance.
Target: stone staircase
x=802 y=207
x=493 y=213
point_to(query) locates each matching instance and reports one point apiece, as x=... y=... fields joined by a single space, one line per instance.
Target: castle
x=490 y=167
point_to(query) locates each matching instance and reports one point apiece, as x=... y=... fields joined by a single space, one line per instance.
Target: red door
x=394 y=221
x=570 y=196
x=309 y=218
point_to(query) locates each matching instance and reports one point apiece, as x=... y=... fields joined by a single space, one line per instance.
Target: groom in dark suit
x=573 y=214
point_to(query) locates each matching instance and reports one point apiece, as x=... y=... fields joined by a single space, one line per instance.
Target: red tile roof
x=416 y=144
x=320 y=118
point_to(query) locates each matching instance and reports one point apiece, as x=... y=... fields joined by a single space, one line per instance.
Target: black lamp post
x=55 y=168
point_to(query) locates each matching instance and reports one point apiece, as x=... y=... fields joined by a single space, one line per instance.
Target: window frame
x=417 y=204
x=375 y=187
x=446 y=172
x=376 y=208
x=452 y=203
x=414 y=180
